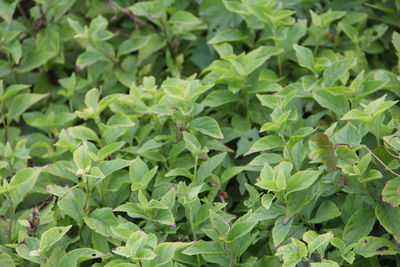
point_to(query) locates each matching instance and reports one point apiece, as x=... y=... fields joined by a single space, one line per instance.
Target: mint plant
x=199 y=133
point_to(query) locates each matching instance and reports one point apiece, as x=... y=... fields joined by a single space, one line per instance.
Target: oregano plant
x=179 y=133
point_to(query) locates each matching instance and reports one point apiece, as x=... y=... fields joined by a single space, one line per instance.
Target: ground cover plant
x=200 y=133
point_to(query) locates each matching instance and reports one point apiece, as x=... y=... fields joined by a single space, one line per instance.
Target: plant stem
x=193 y=231
x=10 y=226
x=3 y=119
x=196 y=159
x=377 y=158
x=166 y=36
x=28 y=23
x=377 y=135
x=279 y=65
x=192 y=224
x=277 y=45
x=290 y=153
x=85 y=207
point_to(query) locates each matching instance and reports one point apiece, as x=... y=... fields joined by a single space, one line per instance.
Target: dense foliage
x=200 y=133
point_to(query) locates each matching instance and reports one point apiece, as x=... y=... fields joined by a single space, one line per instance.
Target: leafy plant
x=199 y=133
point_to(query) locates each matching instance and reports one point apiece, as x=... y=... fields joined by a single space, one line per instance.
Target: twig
x=138 y=22
x=377 y=158
x=34 y=220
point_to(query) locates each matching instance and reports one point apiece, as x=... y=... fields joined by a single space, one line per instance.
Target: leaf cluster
x=179 y=133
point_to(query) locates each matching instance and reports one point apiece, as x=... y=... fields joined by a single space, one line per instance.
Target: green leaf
x=16 y=51
x=319 y=243
x=305 y=57
x=371 y=246
x=82 y=133
x=301 y=180
x=330 y=16
x=107 y=150
x=166 y=251
x=29 y=250
x=338 y=69
x=51 y=236
x=358 y=115
x=204 y=247
x=326 y=211
x=359 y=225
x=389 y=217
x=281 y=230
x=12 y=90
x=325 y=263
x=220 y=97
x=137 y=170
x=140 y=175
x=350 y=31
x=21 y=103
x=208 y=166
x=22 y=183
x=338 y=104
x=72 y=204
x=149 y=145
x=79 y=255
x=76 y=26
x=7 y=10
x=326 y=151
x=33 y=60
x=228 y=35
x=97 y=29
x=183 y=18
x=207 y=125
x=5 y=259
x=391 y=192
x=100 y=221
x=346 y=156
x=191 y=143
x=81 y=159
x=347 y=134
x=232 y=172
x=292 y=253
x=133 y=44
x=218 y=222
x=396 y=41
x=239 y=229
x=88 y=58
x=257 y=57
x=266 y=143
x=211 y=251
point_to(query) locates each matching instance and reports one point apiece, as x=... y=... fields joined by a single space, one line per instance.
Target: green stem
x=196 y=159
x=377 y=158
x=290 y=154
x=279 y=66
x=10 y=226
x=230 y=255
x=6 y=125
x=166 y=36
x=317 y=41
x=71 y=106
x=192 y=224
x=86 y=205
x=28 y=23
x=193 y=230
x=377 y=133
x=277 y=45
x=3 y=121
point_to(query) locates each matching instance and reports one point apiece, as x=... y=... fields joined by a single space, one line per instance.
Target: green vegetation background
x=199 y=133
